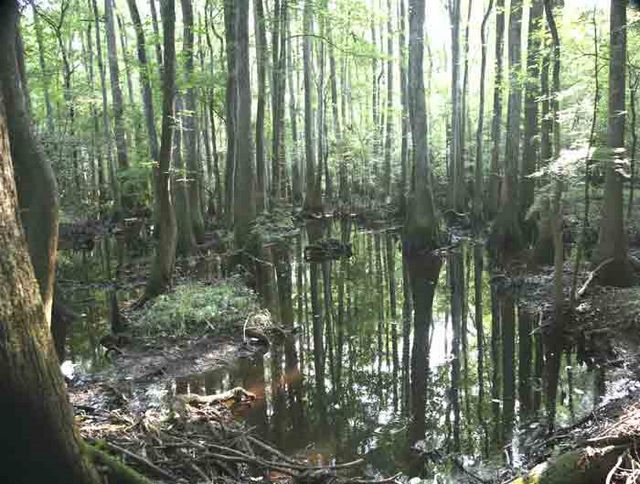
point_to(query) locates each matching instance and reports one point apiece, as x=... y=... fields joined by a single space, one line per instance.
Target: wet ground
x=336 y=384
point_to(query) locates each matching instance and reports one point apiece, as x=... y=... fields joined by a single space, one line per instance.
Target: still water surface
x=350 y=397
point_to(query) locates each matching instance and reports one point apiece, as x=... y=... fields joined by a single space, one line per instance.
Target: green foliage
x=197 y=309
x=134 y=182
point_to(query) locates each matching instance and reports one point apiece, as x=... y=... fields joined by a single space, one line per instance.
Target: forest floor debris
x=198 y=439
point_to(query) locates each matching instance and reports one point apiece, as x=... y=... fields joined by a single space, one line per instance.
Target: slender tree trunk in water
x=507 y=324
x=405 y=165
x=218 y=195
x=496 y=376
x=313 y=200
x=456 y=282
x=496 y=123
x=145 y=84
x=531 y=99
x=261 y=61
x=186 y=236
x=457 y=164
x=164 y=262
x=506 y=237
x=156 y=32
x=96 y=149
x=421 y=230
x=478 y=268
x=479 y=182
x=189 y=118
x=34 y=401
x=43 y=70
x=612 y=242
x=279 y=58
x=116 y=92
x=231 y=103
x=388 y=142
x=634 y=142
x=296 y=167
x=113 y=178
x=125 y=58
x=244 y=192
x=320 y=111
x=555 y=345
x=525 y=358
x=35 y=180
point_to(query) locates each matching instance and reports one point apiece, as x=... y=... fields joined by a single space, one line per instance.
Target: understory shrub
x=196 y=309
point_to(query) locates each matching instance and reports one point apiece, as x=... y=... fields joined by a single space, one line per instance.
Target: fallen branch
x=592 y=276
x=150 y=466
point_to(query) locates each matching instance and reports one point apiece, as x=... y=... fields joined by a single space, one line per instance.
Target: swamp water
x=350 y=399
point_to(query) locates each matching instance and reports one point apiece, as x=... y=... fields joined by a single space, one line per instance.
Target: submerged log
x=329 y=249
x=233 y=396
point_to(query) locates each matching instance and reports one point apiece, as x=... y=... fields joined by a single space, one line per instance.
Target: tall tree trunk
x=313 y=201
x=457 y=121
x=244 y=192
x=532 y=94
x=388 y=143
x=125 y=58
x=156 y=32
x=43 y=70
x=405 y=165
x=612 y=243
x=296 y=162
x=496 y=123
x=116 y=92
x=479 y=168
x=193 y=164
x=506 y=237
x=35 y=180
x=231 y=101
x=261 y=61
x=145 y=84
x=421 y=230
x=186 y=235
x=278 y=49
x=164 y=262
x=115 y=186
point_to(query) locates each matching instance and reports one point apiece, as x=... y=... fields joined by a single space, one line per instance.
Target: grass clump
x=196 y=309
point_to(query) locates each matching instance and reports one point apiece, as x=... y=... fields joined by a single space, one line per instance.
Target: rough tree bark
x=35 y=180
x=612 y=241
x=496 y=122
x=479 y=182
x=421 y=235
x=164 y=262
x=261 y=61
x=506 y=236
x=34 y=401
x=531 y=99
x=313 y=200
x=194 y=166
x=244 y=192
x=116 y=92
x=231 y=101
x=145 y=84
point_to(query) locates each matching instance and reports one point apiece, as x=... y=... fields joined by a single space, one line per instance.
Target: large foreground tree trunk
x=39 y=442
x=162 y=271
x=35 y=181
x=612 y=243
